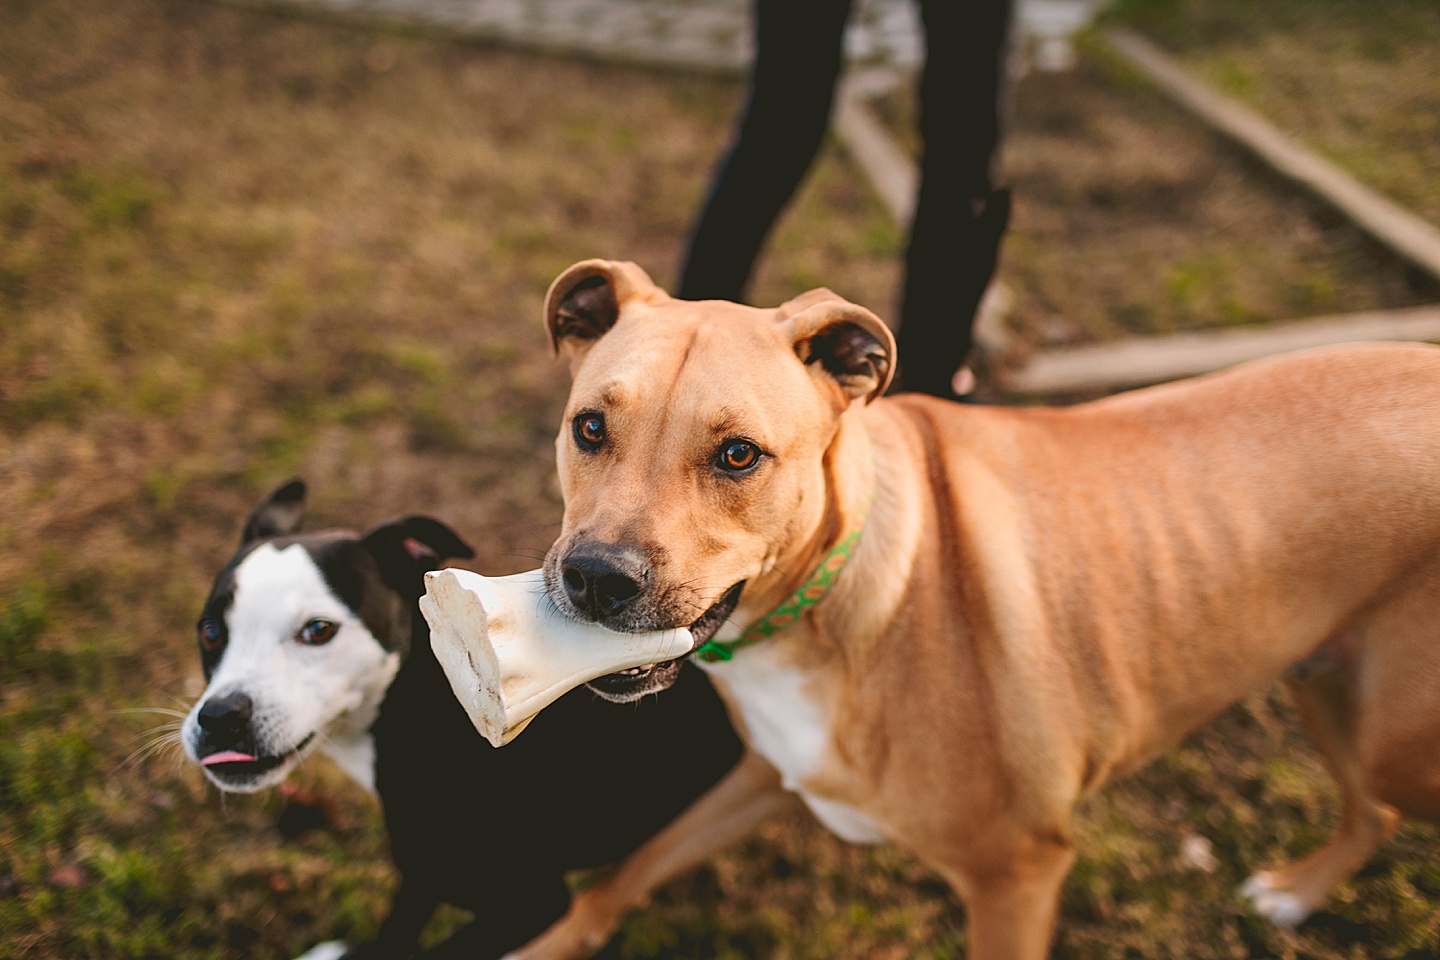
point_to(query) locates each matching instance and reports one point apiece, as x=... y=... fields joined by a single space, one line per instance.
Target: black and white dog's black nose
x=603 y=580
x=225 y=720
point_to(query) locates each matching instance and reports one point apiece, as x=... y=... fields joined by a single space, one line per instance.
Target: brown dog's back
x=1188 y=543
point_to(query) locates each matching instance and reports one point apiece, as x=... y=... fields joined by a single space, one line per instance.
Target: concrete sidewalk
x=711 y=35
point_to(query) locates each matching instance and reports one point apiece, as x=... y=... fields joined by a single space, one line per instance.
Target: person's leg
x=799 y=49
x=959 y=215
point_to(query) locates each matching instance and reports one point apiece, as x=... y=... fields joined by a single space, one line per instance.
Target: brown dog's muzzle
x=603 y=580
x=624 y=588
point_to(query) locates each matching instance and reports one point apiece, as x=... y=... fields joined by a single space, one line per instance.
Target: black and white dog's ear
x=411 y=545
x=278 y=515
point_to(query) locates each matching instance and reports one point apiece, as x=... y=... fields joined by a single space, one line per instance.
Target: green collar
x=788 y=612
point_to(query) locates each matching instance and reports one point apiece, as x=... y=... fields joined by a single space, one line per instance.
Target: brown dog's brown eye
x=739 y=455
x=212 y=638
x=318 y=632
x=589 y=431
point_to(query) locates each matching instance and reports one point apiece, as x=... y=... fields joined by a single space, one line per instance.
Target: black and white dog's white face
x=301 y=637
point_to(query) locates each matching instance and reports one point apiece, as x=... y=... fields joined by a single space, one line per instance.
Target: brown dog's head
x=692 y=455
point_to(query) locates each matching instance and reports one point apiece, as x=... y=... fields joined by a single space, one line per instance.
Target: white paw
x=329 y=950
x=1275 y=905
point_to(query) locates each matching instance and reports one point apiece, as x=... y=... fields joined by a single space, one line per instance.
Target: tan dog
x=1041 y=599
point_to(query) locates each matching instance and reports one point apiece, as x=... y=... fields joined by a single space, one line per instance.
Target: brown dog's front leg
x=731 y=810
x=1011 y=906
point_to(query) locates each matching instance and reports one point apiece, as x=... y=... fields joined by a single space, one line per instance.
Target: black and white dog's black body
x=316 y=642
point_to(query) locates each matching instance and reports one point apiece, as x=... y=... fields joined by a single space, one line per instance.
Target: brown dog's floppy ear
x=809 y=298
x=278 y=515
x=584 y=302
x=848 y=342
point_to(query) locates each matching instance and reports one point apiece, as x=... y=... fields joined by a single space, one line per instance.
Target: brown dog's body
x=1042 y=599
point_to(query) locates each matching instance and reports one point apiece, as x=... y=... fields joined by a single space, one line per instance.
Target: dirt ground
x=1357 y=80
x=235 y=247
x=1129 y=218
x=1132 y=219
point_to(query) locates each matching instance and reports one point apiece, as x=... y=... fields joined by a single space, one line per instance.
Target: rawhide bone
x=508 y=652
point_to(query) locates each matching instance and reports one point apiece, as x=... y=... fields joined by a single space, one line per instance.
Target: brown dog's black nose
x=225 y=719
x=602 y=581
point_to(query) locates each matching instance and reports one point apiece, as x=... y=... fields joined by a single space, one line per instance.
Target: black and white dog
x=315 y=642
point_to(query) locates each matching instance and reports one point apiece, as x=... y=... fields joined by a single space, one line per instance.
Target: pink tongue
x=227 y=756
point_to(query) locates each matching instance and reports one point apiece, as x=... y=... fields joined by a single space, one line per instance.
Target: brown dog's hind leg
x=1289 y=894
x=748 y=795
x=1398 y=689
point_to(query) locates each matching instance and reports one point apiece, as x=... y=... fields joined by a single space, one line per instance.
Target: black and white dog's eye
x=212 y=638
x=738 y=456
x=589 y=431
x=318 y=632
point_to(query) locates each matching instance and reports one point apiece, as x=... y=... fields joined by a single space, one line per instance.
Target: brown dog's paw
x=1278 y=906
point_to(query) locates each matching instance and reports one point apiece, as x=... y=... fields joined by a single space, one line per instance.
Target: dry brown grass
x=1130 y=218
x=235 y=246
x=1357 y=79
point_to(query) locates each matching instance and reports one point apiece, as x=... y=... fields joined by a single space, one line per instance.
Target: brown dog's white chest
x=790 y=726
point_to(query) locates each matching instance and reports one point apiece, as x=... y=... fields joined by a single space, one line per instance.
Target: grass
x=1131 y=219
x=1357 y=80
x=236 y=246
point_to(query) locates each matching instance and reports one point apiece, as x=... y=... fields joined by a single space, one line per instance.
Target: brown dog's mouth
x=708 y=622
x=632 y=684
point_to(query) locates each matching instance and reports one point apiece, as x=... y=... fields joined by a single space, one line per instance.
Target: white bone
x=509 y=652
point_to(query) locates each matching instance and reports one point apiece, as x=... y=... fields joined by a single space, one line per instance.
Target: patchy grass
x=236 y=246
x=1359 y=80
x=1129 y=218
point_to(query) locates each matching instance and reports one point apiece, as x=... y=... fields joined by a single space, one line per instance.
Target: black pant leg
x=959 y=215
x=799 y=49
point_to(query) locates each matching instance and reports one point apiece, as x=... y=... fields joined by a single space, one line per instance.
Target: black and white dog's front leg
x=515 y=916
x=518 y=915
x=329 y=950
x=411 y=909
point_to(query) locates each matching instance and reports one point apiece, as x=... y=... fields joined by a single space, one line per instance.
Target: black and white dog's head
x=301 y=637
